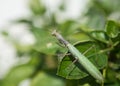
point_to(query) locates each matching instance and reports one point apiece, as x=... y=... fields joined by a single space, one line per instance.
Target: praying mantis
x=86 y=64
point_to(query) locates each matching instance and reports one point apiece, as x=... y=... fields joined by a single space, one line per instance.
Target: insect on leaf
x=70 y=70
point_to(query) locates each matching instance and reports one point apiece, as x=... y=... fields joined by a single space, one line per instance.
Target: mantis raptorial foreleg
x=88 y=50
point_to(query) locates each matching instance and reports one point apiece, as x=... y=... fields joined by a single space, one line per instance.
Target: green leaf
x=67 y=28
x=108 y=3
x=112 y=29
x=78 y=36
x=96 y=21
x=69 y=70
x=43 y=79
x=100 y=35
x=17 y=74
x=95 y=18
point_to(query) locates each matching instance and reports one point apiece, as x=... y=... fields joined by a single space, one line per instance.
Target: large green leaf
x=43 y=79
x=100 y=35
x=17 y=74
x=96 y=16
x=112 y=29
x=108 y=3
x=69 y=70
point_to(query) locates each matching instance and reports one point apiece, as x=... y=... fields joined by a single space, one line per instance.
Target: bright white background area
x=15 y=9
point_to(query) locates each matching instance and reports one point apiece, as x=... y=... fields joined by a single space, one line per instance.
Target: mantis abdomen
x=88 y=65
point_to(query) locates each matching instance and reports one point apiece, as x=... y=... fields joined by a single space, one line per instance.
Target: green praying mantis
x=86 y=64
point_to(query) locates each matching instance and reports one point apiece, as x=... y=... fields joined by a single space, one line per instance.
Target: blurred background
x=28 y=52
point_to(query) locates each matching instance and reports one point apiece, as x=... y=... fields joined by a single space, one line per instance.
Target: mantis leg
x=77 y=59
x=88 y=50
x=83 y=54
x=60 y=44
x=73 y=62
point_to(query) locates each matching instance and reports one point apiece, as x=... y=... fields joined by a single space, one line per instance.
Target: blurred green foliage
x=99 y=26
